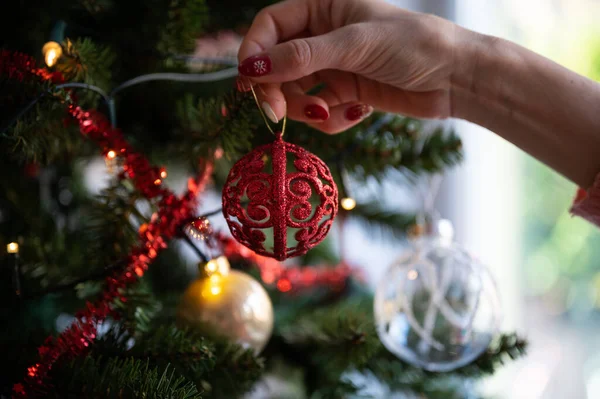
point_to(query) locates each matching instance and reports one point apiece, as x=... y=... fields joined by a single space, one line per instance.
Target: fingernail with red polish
x=359 y=111
x=258 y=65
x=314 y=111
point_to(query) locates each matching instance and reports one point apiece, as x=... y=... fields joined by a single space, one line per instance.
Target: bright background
x=512 y=213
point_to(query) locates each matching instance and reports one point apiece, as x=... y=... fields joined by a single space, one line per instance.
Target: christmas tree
x=96 y=295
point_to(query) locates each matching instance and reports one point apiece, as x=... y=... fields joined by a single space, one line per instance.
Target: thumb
x=298 y=58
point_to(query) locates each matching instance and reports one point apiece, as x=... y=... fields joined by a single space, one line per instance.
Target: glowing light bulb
x=215 y=269
x=111 y=154
x=12 y=248
x=348 y=203
x=284 y=285
x=413 y=274
x=163 y=174
x=52 y=52
x=157 y=182
x=211 y=267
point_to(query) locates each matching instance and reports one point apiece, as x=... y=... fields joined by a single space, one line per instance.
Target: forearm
x=546 y=110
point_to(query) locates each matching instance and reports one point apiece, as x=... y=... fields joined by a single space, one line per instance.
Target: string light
x=348 y=203
x=163 y=173
x=12 y=248
x=110 y=160
x=413 y=274
x=52 y=52
x=157 y=182
x=284 y=285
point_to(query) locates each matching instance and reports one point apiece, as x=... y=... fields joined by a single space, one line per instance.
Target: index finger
x=277 y=23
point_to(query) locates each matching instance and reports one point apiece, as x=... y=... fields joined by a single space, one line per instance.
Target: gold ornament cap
x=442 y=229
x=214 y=266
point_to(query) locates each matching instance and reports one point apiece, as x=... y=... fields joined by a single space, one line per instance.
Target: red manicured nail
x=258 y=65
x=314 y=111
x=359 y=111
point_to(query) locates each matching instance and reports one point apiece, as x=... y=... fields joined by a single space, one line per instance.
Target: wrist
x=472 y=79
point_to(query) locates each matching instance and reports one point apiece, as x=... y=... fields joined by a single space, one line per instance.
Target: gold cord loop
x=262 y=113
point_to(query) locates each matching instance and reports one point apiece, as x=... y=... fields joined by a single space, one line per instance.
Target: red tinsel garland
x=164 y=225
x=19 y=66
x=289 y=279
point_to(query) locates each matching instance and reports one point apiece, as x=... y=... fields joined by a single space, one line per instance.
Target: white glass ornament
x=437 y=307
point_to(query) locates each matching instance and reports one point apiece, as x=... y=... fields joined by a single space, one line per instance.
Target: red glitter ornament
x=279 y=200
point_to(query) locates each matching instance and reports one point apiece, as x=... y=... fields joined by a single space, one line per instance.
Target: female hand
x=368 y=54
x=371 y=54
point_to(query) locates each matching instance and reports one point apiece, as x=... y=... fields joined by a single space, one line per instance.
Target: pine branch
x=221 y=369
x=139 y=310
x=225 y=122
x=339 y=336
x=342 y=337
x=187 y=18
x=118 y=378
x=87 y=62
x=387 y=221
x=399 y=375
x=336 y=390
x=95 y=6
x=41 y=136
x=52 y=258
x=98 y=236
x=384 y=142
x=235 y=372
x=32 y=116
x=437 y=152
x=322 y=253
x=111 y=222
x=185 y=350
x=506 y=347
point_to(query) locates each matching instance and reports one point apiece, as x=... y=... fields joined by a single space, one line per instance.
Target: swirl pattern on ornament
x=280 y=200
x=437 y=282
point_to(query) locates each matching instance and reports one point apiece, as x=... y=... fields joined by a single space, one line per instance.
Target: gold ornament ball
x=228 y=303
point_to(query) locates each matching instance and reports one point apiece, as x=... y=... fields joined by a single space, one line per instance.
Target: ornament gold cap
x=442 y=228
x=218 y=265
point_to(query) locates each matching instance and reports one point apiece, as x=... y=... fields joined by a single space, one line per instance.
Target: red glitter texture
x=279 y=200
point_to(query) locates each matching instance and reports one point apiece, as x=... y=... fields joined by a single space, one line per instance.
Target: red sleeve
x=587 y=203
